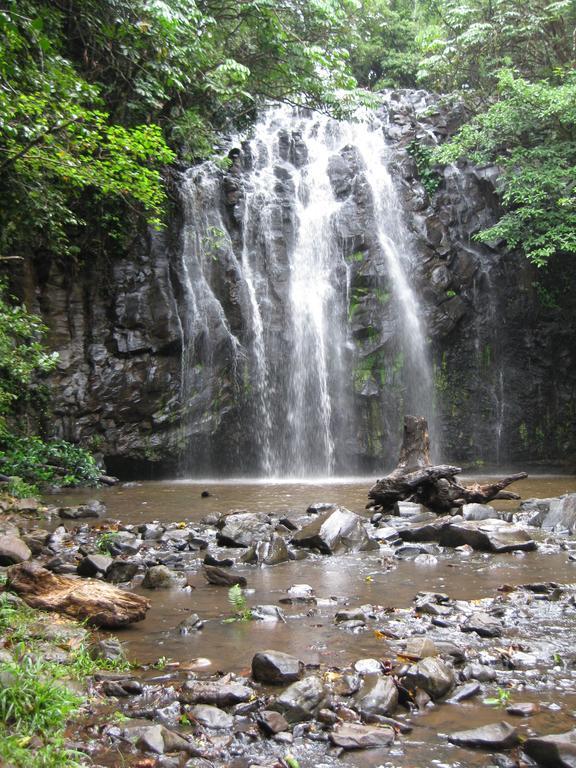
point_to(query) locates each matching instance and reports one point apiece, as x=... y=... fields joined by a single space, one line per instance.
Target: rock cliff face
x=161 y=351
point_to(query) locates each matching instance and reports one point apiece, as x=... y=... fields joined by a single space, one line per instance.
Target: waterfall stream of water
x=317 y=195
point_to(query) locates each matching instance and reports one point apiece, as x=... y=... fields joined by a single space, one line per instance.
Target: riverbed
x=353 y=580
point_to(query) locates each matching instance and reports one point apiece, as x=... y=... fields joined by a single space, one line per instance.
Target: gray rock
x=479 y=512
x=495 y=736
x=480 y=672
x=36 y=540
x=221 y=578
x=354 y=614
x=426 y=530
x=555 y=751
x=268 y=613
x=107 y=649
x=276 y=551
x=523 y=709
x=217 y=693
x=120 y=571
x=418 y=648
x=13 y=550
x=161 y=577
x=432 y=675
x=483 y=624
x=211 y=717
x=337 y=530
x=301 y=700
x=244 y=529
x=464 y=692
x=192 y=623
x=368 y=666
x=486 y=536
x=124 y=543
x=378 y=696
x=562 y=514
x=357 y=736
x=92 y=565
x=320 y=506
x=92 y=508
x=276 y=668
x=272 y=722
x=147 y=737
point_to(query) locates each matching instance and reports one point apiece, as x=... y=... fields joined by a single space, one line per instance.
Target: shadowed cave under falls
x=315 y=346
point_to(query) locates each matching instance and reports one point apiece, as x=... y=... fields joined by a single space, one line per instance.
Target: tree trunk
x=99 y=603
x=435 y=487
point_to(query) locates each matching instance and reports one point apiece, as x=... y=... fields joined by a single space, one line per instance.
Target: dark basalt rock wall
x=504 y=364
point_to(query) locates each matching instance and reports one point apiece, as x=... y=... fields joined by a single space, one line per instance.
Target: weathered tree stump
x=99 y=603
x=435 y=487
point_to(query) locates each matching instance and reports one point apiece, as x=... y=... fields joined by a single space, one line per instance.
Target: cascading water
x=298 y=298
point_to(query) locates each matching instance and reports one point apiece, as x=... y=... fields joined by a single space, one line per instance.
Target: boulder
x=272 y=722
x=555 y=751
x=244 y=529
x=120 y=571
x=337 y=530
x=211 y=717
x=13 y=550
x=494 y=736
x=486 y=536
x=216 y=693
x=301 y=700
x=98 y=603
x=432 y=675
x=561 y=515
x=92 y=565
x=222 y=578
x=378 y=696
x=276 y=668
x=192 y=623
x=161 y=577
x=483 y=624
x=92 y=508
x=357 y=736
x=425 y=530
x=479 y=512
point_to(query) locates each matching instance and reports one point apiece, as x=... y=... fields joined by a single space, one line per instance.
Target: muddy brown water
x=355 y=579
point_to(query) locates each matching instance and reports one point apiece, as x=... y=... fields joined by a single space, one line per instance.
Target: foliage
x=105 y=541
x=238 y=601
x=466 y=44
x=501 y=699
x=383 y=47
x=423 y=156
x=530 y=132
x=40 y=462
x=34 y=698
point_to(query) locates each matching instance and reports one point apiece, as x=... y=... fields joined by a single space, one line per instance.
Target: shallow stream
x=367 y=578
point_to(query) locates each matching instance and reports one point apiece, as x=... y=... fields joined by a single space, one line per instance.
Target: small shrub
x=237 y=599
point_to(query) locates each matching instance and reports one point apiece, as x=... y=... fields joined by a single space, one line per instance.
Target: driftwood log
x=99 y=603
x=435 y=487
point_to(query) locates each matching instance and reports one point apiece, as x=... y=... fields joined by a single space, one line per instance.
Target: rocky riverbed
x=352 y=637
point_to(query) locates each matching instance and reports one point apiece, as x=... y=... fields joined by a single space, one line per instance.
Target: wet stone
x=211 y=717
x=368 y=666
x=244 y=529
x=192 y=623
x=523 y=709
x=495 y=736
x=350 y=736
x=483 y=624
x=161 y=577
x=221 y=578
x=480 y=672
x=301 y=700
x=464 y=692
x=419 y=647
x=275 y=668
x=217 y=693
x=432 y=675
x=13 y=550
x=378 y=696
x=121 y=571
x=92 y=565
x=335 y=531
x=351 y=615
x=268 y=613
x=554 y=751
x=272 y=722
x=486 y=536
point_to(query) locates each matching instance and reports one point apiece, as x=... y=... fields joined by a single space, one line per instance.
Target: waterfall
x=300 y=315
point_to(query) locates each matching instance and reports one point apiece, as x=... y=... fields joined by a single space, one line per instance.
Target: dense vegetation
x=99 y=97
